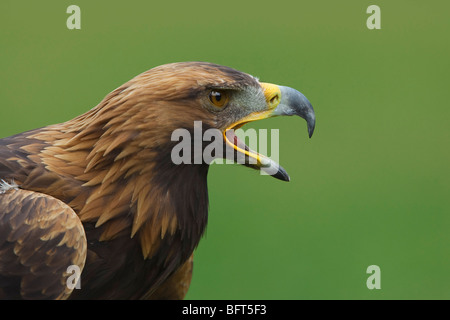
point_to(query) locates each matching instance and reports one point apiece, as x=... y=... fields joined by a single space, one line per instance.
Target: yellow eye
x=218 y=98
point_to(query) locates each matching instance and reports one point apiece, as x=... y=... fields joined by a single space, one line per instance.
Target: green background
x=370 y=188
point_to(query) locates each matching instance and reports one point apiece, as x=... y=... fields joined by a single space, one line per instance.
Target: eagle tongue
x=231 y=136
x=267 y=165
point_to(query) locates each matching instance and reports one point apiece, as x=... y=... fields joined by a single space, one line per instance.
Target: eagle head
x=203 y=96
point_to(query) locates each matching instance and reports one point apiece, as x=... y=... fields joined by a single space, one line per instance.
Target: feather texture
x=100 y=191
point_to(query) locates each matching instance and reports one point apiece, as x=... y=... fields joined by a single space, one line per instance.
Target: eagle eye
x=218 y=98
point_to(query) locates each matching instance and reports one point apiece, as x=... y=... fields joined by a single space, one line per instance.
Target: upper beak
x=292 y=103
x=280 y=101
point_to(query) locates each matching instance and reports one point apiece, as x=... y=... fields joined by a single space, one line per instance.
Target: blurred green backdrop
x=370 y=188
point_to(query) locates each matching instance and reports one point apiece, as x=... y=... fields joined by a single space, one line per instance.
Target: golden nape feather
x=101 y=192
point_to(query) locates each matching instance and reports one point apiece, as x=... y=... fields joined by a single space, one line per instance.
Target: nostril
x=274 y=99
x=272 y=94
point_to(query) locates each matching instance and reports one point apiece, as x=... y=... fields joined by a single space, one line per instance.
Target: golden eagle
x=101 y=192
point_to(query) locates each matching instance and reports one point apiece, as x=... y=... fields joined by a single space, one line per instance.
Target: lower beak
x=280 y=101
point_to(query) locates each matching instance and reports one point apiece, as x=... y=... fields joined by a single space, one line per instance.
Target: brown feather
x=45 y=237
x=112 y=165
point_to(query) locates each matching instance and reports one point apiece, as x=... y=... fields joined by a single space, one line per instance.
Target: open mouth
x=281 y=101
x=243 y=154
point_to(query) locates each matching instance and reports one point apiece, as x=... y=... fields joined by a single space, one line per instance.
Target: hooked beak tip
x=311 y=122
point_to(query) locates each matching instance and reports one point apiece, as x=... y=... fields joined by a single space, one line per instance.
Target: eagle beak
x=292 y=103
x=280 y=101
